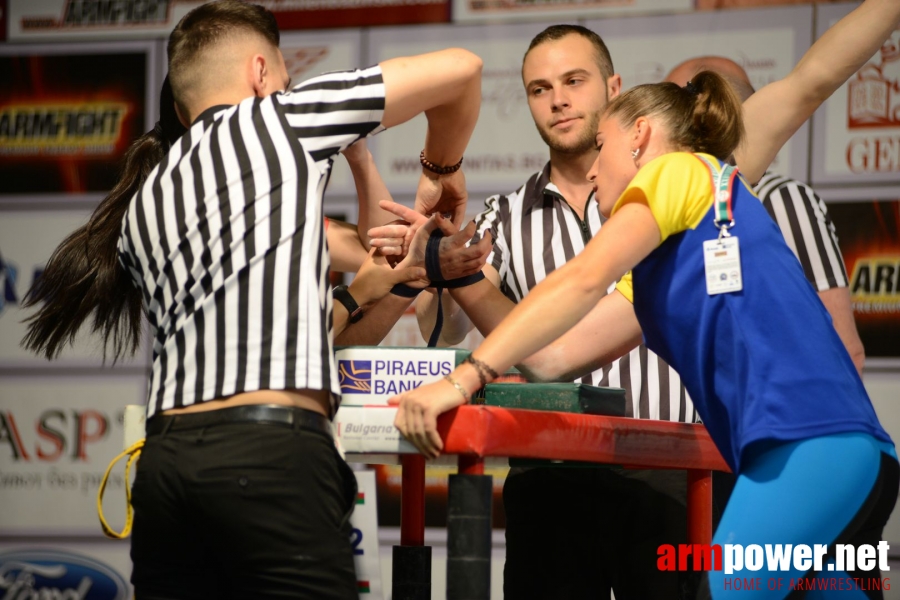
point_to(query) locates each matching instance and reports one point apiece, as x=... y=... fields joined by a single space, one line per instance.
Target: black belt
x=270 y=414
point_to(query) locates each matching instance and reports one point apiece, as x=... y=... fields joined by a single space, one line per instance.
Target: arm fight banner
x=868 y=226
x=68 y=113
x=58 y=20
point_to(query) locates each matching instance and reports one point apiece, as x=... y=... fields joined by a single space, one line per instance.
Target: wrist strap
x=433 y=269
x=405 y=291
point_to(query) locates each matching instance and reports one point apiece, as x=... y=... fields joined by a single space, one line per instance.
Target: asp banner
x=57 y=436
x=67 y=114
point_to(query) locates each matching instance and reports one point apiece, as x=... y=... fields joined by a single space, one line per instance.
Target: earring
x=635 y=152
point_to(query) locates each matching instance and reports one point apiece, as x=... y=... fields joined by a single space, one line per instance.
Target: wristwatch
x=342 y=295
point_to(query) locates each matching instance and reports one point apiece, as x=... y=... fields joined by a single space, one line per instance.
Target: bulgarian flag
x=363 y=587
x=361 y=498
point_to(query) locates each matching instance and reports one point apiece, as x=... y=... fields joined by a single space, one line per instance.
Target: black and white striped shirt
x=226 y=241
x=535 y=231
x=803 y=219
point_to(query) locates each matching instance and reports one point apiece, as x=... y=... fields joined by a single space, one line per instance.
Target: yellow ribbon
x=133 y=453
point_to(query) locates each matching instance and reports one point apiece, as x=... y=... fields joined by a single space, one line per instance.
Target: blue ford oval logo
x=52 y=574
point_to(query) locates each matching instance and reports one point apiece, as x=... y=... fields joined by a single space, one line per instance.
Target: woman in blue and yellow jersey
x=719 y=295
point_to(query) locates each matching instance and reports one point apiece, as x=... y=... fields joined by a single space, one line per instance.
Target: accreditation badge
x=722 y=258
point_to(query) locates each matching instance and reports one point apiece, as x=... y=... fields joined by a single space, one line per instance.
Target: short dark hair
x=208 y=24
x=557 y=32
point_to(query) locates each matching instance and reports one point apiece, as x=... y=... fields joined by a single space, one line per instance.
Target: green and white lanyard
x=722 y=256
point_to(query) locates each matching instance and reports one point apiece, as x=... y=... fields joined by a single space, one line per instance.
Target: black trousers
x=577 y=533
x=242 y=510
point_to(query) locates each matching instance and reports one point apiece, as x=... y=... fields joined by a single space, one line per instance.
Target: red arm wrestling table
x=477 y=431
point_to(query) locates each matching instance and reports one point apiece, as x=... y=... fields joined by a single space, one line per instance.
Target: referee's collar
x=210 y=112
x=538 y=186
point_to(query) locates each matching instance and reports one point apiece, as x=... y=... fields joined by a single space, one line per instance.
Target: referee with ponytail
x=217 y=236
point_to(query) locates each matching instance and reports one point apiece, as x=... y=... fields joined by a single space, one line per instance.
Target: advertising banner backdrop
x=57 y=436
x=320 y=14
x=766 y=43
x=67 y=114
x=27 y=239
x=868 y=226
x=64 y=569
x=856 y=133
x=57 y=20
x=505 y=148
x=486 y=10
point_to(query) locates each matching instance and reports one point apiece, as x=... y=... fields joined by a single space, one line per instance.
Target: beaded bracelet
x=458 y=386
x=482 y=368
x=436 y=168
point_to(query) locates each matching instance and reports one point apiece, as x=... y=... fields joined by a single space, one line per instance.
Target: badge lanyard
x=722 y=257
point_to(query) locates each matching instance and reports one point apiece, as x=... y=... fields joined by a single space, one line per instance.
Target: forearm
x=370 y=189
x=378 y=321
x=345 y=247
x=446 y=85
x=608 y=332
x=837 y=302
x=570 y=292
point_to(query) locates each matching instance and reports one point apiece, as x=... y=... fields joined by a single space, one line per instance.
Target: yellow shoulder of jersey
x=677 y=187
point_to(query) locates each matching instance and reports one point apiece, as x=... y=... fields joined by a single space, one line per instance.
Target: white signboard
x=372 y=375
x=766 y=43
x=856 y=133
x=57 y=436
x=364 y=538
x=27 y=239
x=505 y=149
x=308 y=54
x=486 y=10
x=56 y=20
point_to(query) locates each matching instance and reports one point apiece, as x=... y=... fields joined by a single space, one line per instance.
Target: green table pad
x=562 y=397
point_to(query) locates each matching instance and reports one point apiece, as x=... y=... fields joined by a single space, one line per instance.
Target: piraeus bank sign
x=373 y=375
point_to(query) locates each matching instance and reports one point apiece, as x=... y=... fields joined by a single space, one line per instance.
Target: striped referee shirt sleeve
x=352 y=100
x=807 y=228
x=491 y=219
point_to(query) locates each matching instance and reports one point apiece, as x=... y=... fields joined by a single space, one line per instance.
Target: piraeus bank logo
x=355 y=376
x=389 y=377
x=52 y=574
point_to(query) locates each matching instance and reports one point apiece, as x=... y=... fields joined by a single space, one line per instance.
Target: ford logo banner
x=52 y=574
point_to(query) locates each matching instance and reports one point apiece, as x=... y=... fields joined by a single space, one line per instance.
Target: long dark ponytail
x=83 y=276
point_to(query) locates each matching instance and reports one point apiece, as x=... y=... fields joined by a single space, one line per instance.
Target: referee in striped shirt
x=240 y=492
x=801 y=215
x=574 y=533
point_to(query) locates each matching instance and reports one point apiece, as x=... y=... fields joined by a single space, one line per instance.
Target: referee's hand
x=443 y=194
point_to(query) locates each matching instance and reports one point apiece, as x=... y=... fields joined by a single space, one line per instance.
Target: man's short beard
x=584 y=143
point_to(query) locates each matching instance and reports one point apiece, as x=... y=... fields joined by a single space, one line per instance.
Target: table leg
x=699 y=506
